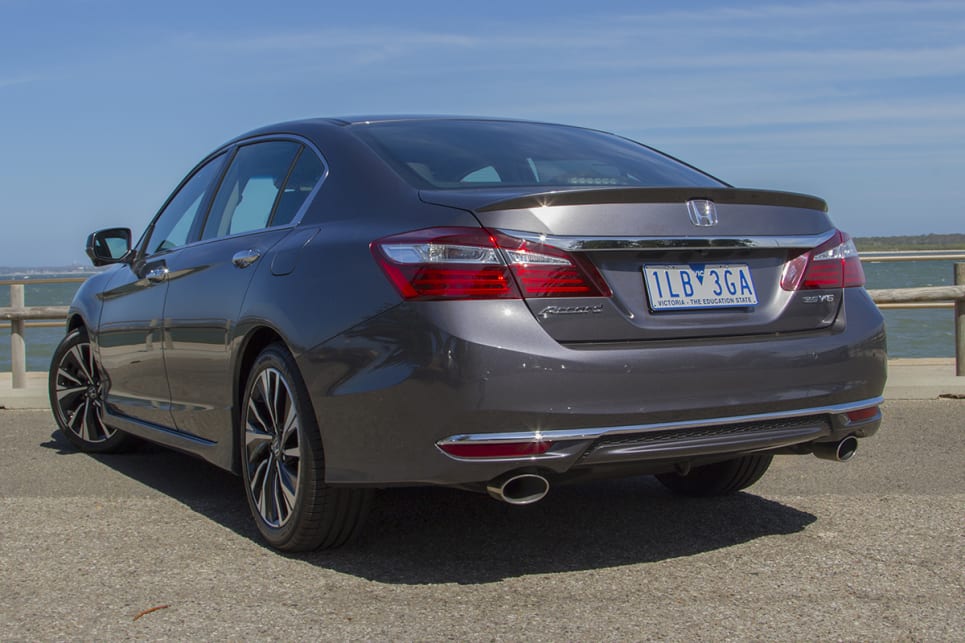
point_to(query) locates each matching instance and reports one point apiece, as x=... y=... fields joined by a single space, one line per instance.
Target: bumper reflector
x=863 y=414
x=496 y=450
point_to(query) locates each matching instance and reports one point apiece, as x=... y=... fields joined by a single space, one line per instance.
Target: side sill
x=192 y=445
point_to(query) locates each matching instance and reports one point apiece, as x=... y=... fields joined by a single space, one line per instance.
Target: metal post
x=960 y=322
x=18 y=347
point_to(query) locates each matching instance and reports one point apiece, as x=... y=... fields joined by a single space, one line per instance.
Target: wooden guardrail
x=18 y=314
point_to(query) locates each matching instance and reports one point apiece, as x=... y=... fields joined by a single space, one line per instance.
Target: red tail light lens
x=445 y=263
x=471 y=263
x=833 y=264
x=544 y=271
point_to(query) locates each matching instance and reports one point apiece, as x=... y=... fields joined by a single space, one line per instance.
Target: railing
x=19 y=315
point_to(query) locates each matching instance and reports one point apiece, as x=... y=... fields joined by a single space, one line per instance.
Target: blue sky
x=106 y=104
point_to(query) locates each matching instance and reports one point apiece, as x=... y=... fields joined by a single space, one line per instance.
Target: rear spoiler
x=737 y=196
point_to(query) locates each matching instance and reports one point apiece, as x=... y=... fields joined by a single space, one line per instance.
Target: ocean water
x=926 y=332
x=911 y=333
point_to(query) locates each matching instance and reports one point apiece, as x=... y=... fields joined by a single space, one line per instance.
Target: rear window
x=466 y=154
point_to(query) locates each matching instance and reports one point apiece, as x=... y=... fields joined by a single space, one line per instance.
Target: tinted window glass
x=465 y=154
x=173 y=225
x=302 y=180
x=250 y=188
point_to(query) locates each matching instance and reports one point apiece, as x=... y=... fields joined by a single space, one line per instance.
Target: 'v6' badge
x=703 y=213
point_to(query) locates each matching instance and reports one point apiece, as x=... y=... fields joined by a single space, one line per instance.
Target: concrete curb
x=908 y=379
x=923 y=379
x=32 y=397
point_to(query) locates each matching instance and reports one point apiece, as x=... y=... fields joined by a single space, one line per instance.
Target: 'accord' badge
x=703 y=213
x=570 y=310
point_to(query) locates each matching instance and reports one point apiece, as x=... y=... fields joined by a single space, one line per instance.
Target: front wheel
x=77 y=389
x=719 y=478
x=283 y=465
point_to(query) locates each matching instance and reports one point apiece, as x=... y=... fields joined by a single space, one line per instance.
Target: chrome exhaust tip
x=519 y=489
x=841 y=451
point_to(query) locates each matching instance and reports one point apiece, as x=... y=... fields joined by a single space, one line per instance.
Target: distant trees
x=911 y=242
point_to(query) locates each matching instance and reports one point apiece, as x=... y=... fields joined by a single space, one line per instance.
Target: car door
x=207 y=281
x=129 y=333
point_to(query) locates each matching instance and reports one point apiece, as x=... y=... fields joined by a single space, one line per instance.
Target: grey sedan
x=330 y=306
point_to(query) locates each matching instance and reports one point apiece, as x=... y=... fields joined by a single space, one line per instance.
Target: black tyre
x=720 y=478
x=77 y=388
x=283 y=465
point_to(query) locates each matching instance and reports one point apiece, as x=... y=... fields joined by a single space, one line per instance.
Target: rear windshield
x=467 y=153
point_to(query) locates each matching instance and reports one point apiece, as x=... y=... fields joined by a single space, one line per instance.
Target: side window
x=173 y=225
x=302 y=180
x=251 y=188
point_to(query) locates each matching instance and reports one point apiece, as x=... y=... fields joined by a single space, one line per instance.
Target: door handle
x=157 y=274
x=245 y=258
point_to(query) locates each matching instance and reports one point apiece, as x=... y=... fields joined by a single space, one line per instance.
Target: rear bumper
x=679 y=440
x=388 y=392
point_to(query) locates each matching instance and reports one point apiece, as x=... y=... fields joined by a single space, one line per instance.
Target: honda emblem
x=703 y=213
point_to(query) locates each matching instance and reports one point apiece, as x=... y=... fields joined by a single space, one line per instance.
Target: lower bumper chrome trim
x=586 y=434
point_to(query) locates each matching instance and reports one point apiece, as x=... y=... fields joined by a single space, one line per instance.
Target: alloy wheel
x=272 y=447
x=79 y=395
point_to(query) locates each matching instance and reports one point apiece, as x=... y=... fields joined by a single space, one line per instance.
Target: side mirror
x=109 y=246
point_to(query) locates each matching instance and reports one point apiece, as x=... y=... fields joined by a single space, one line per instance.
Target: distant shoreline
x=912 y=243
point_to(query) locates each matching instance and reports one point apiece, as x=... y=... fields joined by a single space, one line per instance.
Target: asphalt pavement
x=872 y=549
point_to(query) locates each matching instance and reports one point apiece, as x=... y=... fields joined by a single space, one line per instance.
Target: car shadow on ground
x=436 y=535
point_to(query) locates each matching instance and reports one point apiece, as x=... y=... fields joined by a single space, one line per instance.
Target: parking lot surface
x=872 y=549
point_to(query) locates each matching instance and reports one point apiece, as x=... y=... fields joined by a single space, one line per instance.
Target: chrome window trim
x=576 y=244
x=230 y=149
x=566 y=435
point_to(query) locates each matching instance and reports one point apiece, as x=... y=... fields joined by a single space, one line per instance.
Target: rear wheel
x=283 y=465
x=77 y=390
x=720 y=478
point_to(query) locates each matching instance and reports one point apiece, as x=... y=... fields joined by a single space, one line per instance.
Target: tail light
x=833 y=264
x=472 y=263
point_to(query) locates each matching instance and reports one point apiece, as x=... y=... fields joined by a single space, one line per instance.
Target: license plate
x=697 y=285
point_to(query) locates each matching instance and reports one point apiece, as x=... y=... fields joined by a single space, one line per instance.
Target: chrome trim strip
x=564 y=435
x=570 y=243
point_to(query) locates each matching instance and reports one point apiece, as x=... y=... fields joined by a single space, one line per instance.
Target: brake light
x=471 y=263
x=833 y=264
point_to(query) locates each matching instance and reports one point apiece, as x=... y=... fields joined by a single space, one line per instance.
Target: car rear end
x=607 y=326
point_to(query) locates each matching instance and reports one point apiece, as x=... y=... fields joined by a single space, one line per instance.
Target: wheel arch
x=76 y=321
x=255 y=341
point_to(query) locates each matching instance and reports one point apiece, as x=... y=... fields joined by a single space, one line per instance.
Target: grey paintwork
x=389 y=379
x=484 y=367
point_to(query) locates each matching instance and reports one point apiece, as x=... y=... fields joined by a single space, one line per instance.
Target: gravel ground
x=868 y=550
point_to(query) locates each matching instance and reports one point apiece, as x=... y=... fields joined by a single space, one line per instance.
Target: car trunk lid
x=681 y=263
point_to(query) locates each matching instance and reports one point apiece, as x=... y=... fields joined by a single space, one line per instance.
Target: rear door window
x=251 y=188
x=305 y=175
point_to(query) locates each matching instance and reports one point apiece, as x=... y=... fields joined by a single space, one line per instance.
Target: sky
x=106 y=104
